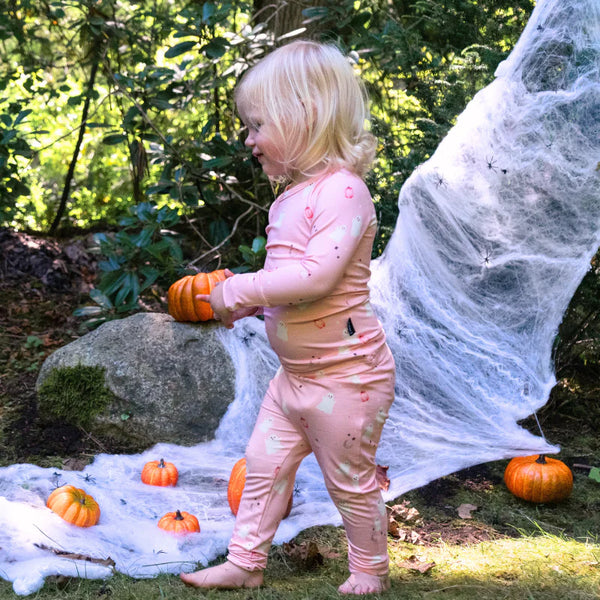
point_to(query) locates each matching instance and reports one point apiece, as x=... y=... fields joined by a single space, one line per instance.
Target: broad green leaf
x=258 y=244
x=160 y=188
x=87 y=311
x=241 y=269
x=160 y=103
x=115 y=138
x=109 y=265
x=180 y=48
x=22 y=116
x=208 y=10
x=216 y=47
x=174 y=249
x=125 y=290
x=111 y=284
x=144 y=237
x=134 y=281
x=100 y=298
x=218 y=231
x=157 y=248
x=151 y=275
x=9 y=135
x=215 y=163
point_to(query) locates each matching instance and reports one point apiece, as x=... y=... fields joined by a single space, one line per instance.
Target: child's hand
x=215 y=299
x=217 y=303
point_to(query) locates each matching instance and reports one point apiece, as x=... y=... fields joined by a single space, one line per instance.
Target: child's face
x=261 y=140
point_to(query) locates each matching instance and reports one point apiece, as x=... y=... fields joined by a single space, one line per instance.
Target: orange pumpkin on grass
x=159 y=472
x=237 y=480
x=74 y=506
x=538 y=478
x=183 y=305
x=179 y=523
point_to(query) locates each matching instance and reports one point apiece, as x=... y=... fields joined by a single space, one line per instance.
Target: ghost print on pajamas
x=272 y=444
x=338 y=233
x=356 y=226
x=314 y=295
x=282 y=331
x=266 y=424
x=327 y=403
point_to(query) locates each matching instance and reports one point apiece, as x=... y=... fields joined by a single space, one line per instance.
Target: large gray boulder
x=170 y=381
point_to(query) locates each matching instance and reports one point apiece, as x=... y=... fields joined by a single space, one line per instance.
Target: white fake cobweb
x=494 y=235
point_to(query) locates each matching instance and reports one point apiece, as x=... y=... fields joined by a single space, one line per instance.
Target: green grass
x=509 y=550
x=542 y=567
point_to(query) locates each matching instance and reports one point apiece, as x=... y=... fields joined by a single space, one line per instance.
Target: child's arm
x=341 y=217
x=222 y=313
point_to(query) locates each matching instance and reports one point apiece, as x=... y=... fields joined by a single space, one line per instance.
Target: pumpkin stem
x=161 y=464
x=541 y=459
x=178 y=516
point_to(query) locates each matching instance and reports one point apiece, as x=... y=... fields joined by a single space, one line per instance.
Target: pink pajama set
x=335 y=386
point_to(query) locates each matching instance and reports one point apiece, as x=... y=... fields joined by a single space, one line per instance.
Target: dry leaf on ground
x=307 y=554
x=465 y=510
x=413 y=563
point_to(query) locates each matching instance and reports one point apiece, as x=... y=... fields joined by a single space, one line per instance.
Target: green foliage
x=577 y=346
x=254 y=256
x=163 y=121
x=74 y=394
x=142 y=253
x=14 y=147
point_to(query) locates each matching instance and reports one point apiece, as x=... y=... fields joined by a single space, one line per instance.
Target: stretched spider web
x=494 y=235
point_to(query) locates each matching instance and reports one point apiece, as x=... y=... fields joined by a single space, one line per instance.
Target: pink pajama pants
x=338 y=414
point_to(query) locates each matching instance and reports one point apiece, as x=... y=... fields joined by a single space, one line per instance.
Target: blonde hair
x=315 y=106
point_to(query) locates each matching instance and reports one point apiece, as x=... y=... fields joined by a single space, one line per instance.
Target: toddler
x=305 y=111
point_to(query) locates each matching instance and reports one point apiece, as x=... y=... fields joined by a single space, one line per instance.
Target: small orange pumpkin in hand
x=183 y=305
x=74 y=506
x=159 y=472
x=179 y=523
x=538 y=478
x=237 y=481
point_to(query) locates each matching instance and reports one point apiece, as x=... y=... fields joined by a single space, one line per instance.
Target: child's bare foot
x=225 y=576
x=364 y=583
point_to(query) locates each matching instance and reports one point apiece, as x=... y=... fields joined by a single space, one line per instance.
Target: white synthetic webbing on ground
x=495 y=233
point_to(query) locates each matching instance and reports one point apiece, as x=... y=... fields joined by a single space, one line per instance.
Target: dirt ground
x=41 y=284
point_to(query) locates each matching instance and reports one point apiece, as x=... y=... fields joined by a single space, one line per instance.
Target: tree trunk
x=84 y=116
x=282 y=16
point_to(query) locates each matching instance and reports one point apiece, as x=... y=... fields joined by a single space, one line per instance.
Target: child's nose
x=249 y=140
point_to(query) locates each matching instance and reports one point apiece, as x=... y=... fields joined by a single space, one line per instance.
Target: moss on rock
x=75 y=394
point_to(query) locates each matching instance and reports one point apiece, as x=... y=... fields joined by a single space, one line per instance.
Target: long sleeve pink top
x=314 y=284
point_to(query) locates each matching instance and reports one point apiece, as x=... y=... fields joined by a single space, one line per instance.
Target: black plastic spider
x=439 y=180
x=88 y=478
x=487 y=259
x=491 y=163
